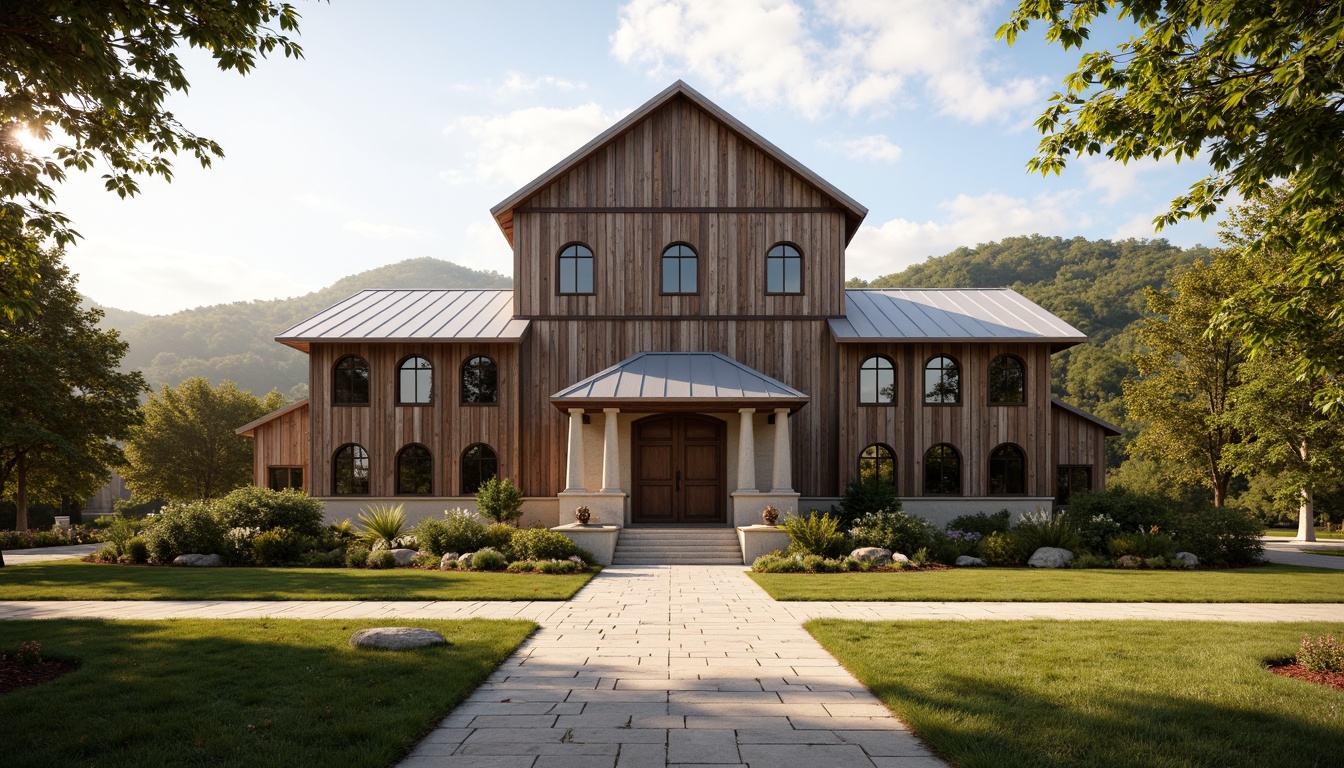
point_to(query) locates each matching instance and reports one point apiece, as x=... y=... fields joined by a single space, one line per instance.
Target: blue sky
x=407 y=121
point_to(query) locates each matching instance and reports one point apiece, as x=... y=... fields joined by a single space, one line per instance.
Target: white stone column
x=611 y=454
x=746 y=452
x=782 y=477
x=574 y=470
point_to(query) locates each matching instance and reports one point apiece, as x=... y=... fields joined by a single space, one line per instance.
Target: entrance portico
x=686 y=438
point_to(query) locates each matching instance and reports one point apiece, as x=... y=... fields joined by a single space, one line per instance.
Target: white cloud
x=516 y=82
x=383 y=231
x=486 y=247
x=877 y=147
x=1116 y=181
x=512 y=149
x=855 y=54
x=968 y=221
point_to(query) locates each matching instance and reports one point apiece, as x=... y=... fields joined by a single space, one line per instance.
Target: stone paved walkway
x=1289 y=552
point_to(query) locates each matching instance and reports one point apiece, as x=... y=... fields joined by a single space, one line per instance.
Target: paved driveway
x=43 y=554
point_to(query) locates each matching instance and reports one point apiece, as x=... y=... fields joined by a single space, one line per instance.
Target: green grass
x=239 y=693
x=1261 y=584
x=1292 y=532
x=76 y=580
x=1331 y=552
x=1162 y=694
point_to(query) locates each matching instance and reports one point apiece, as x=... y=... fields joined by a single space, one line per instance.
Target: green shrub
x=982 y=523
x=383 y=524
x=381 y=559
x=545 y=544
x=182 y=530
x=500 y=500
x=1045 y=529
x=865 y=497
x=120 y=531
x=489 y=560
x=948 y=546
x=893 y=530
x=255 y=507
x=105 y=554
x=1128 y=510
x=778 y=562
x=1142 y=544
x=921 y=557
x=357 y=557
x=1001 y=548
x=1091 y=561
x=816 y=534
x=1322 y=655
x=1095 y=532
x=1217 y=536
x=460 y=532
x=427 y=559
x=431 y=535
x=499 y=536
x=521 y=566
x=332 y=559
x=558 y=566
x=137 y=549
x=277 y=546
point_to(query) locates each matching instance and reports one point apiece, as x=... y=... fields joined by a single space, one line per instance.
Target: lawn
x=987 y=694
x=1321 y=533
x=76 y=580
x=239 y=693
x=1261 y=584
x=1331 y=552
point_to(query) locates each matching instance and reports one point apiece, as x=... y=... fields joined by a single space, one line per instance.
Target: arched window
x=783 y=269
x=575 y=269
x=1007 y=470
x=878 y=462
x=480 y=381
x=1007 y=381
x=350 y=471
x=877 y=381
x=415 y=470
x=942 y=471
x=681 y=273
x=942 y=381
x=479 y=464
x=416 y=381
x=350 y=381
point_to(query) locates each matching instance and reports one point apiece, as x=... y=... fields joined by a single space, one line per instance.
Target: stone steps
x=677 y=546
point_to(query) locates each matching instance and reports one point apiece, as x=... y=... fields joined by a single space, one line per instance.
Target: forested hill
x=237 y=341
x=1095 y=285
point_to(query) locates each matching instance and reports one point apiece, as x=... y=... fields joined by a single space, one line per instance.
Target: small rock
x=967 y=560
x=1189 y=557
x=897 y=557
x=396 y=638
x=875 y=555
x=465 y=560
x=451 y=557
x=404 y=557
x=1050 y=557
x=186 y=559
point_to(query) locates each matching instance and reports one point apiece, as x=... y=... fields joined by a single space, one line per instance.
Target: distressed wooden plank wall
x=282 y=442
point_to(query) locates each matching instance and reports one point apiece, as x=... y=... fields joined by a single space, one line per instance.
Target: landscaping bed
x=239 y=693
x=1113 y=693
x=1259 y=584
x=75 y=580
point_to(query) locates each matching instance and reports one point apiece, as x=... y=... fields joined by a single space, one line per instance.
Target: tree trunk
x=21 y=497
x=1306 y=517
x=1220 y=490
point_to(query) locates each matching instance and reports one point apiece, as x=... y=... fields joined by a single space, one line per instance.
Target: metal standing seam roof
x=998 y=314
x=413 y=315
x=679 y=377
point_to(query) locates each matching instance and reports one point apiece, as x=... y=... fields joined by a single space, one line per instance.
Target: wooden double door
x=680 y=470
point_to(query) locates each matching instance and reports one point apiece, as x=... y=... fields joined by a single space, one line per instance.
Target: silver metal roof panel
x=998 y=314
x=413 y=315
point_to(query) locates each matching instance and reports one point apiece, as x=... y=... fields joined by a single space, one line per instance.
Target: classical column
x=746 y=452
x=574 y=470
x=611 y=454
x=782 y=477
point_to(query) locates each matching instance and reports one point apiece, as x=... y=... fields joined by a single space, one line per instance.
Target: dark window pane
x=583 y=280
x=1007 y=470
x=350 y=382
x=1007 y=380
x=877 y=381
x=278 y=478
x=942 y=381
x=350 y=471
x=480 y=381
x=416 y=378
x=567 y=269
x=415 y=469
x=774 y=275
x=877 y=462
x=793 y=276
x=942 y=471
x=670 y=275
x=479 y=464
x=688 y=275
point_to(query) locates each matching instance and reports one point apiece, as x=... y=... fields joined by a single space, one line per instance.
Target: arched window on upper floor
x=784 y=269
x=480 y=381
x=942 y=381
x=574 y=270
x=415 y=381
x=877 y=381
x=350 y=381
x=680 y=269
x=1007 y=381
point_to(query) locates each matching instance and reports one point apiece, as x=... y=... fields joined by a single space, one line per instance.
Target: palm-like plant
x=383 y=523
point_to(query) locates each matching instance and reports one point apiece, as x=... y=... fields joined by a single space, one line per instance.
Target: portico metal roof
x=413 y=315
x=997 y=314
x=659 y=380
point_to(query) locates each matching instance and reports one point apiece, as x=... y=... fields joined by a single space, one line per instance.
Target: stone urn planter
x=770 y=515
x=583 y=515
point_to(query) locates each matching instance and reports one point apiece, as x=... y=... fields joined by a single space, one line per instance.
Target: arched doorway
x=679 y=470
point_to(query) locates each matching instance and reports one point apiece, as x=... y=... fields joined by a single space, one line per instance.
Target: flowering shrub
x=56 y=537
x=965 y=542
x=982 y=523
x=29 y=653
x=1096 y=531
x=1043 y=528
x=892 y=530
x=1322 y=655
x=184 y=529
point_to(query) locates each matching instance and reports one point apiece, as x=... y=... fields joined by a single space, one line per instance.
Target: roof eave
x=247 y=429
x=1110 y=429
x=697 y=404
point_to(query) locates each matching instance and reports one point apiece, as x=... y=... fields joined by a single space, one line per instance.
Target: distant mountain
x=237 y=341
x=121 y=319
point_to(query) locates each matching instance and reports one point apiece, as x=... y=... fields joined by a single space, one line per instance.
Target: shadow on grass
x=245 y=693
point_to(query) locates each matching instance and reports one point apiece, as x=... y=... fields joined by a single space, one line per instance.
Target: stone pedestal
x=748 y=506
x=597 y=539
x=606 y=507
x=757 y=540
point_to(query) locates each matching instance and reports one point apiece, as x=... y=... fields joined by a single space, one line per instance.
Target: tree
x=1256 y=85
x=1187 y=375
x=94 y=74
x=64 y=402
x=186 y=448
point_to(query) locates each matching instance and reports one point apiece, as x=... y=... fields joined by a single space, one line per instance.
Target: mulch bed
x=14 y=675
x=1298 y=672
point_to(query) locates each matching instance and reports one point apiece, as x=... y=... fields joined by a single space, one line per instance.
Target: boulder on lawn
x=1050 y=557
x=968 y=561
x=897 y=557
x=465 y=560
x=874 y=555
x=404 y=557
x=396 y=638
x=451 y=557
x=199 y=561
x=1189 y=557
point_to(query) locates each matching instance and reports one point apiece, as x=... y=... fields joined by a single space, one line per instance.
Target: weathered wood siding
x=282 y=442
x=445 y=426
x=973 y=427
x=1078 y=441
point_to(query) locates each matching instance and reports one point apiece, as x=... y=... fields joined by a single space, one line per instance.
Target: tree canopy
x=93 y=76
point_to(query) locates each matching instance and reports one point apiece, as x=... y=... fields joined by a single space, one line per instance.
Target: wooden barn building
x=679 y=349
